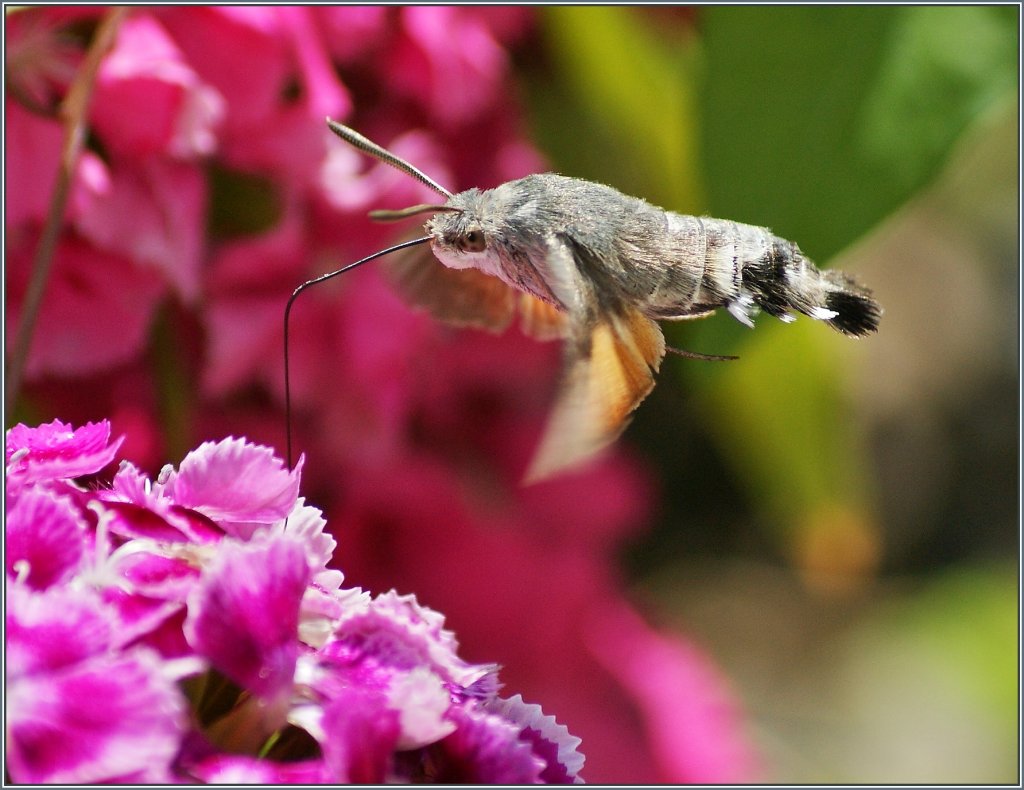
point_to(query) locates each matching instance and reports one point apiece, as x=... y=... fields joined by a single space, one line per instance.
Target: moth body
x=587 y=264
x=586 y=249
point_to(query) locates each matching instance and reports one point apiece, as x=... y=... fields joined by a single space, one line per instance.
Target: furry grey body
x=587 y=248
x=583 y=262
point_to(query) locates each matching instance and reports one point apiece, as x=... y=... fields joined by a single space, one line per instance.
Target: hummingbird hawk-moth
x=582 y=262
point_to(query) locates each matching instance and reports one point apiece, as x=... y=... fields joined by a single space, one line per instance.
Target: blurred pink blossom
x=32 y=145
x=152 y=214
x=100 y=716
x=214 y=190
x=97 y=311
x=175 y=112
x=270 y=65
x=448 y=61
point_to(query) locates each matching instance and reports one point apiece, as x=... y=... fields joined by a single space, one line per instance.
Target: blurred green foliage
x=623 y=105
x=936 y=664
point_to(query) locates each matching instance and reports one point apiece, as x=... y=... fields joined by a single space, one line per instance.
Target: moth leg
x=680 y=352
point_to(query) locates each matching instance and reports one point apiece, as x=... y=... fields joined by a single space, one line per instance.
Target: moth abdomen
x=748 y=268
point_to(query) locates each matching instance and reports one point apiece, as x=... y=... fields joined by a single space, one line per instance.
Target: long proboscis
x=287 y=313
x=353 y=138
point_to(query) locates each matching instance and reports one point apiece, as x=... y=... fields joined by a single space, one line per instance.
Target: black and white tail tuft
x=857 y=313
x=783 y=281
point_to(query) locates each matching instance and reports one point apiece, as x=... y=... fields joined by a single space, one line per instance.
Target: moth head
x=458 y=228
x=457 y=236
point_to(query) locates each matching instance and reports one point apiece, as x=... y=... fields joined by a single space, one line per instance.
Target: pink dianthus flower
x=203 y=638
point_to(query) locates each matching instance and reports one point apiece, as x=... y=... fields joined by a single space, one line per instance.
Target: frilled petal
x=46 y=537
x=141 y=510
x=244 y=616
x=323 y=606
x=54 y=628
x=307 y=526
x=395 y=631
x=148 y=621
x=131 y=521
x=57 y=451
x=487 y=687
x=168 y=578
x=148 y=595
x=235 y=482
x=360 y=732
x=131 y=485
x=483 y=749
x=106 y=718
x=549 y=740
x=422 y=701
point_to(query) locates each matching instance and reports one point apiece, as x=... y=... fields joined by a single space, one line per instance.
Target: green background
x=838 y=523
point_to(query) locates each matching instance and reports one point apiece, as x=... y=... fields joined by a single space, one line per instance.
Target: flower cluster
x=210 y=188
x=188 y=628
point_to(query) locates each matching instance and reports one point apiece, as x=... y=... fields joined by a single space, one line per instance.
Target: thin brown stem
x=73 y=115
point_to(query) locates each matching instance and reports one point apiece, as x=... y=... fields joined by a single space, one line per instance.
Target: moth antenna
x=287 y=313
x=392 y=215
x=697 y=355
x=352 y=137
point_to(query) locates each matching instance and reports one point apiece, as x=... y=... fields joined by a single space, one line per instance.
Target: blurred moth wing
x=470 y=298
x=541 y=320
x=609 y=370
x=608 y=367
x=459 y=297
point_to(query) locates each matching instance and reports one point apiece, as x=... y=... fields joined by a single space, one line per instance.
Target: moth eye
x=473 y=241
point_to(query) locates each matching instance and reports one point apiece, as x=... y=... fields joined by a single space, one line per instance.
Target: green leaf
x=780 y=415
x=941 y=69
x=819 y=121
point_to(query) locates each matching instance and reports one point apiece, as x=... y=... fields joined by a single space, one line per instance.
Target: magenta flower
x=81 y=707
x=244 y=614
x=56 y=451
x=426 y=67
x=235 y=485
x=189 y=629
x=46 y=537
